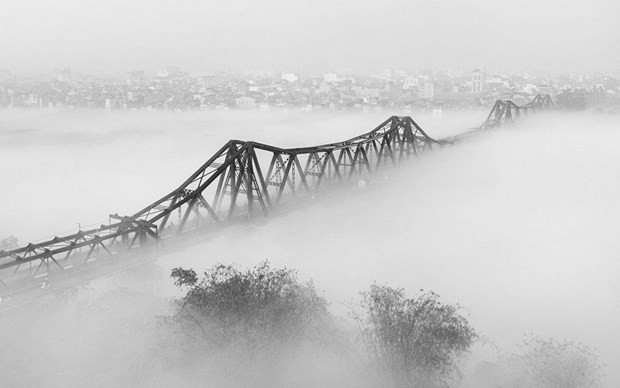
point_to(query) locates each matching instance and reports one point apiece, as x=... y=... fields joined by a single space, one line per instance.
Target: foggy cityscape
x=309 y=193
x=172 y=89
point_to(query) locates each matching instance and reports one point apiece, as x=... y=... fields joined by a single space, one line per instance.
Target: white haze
x=65 y=168
x=309 y=36
x=519 y=225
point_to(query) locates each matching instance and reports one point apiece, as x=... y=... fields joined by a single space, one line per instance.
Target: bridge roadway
x=241 y=181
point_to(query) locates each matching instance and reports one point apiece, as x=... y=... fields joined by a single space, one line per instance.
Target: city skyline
x=173 y=89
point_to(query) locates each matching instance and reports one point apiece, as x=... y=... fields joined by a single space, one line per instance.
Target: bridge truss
x=242 y=179
x=506 y=111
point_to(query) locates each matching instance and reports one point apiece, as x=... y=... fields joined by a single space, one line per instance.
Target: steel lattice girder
x=243 y=176
x=263 y=174
x=504 y=111
x=238 y=179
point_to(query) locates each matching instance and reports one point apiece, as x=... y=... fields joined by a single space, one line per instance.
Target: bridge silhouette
x=504 y=111
x=243 y=179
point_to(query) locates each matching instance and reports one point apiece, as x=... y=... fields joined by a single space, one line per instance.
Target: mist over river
x=518 y=225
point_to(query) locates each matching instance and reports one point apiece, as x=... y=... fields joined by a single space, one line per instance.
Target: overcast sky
x=115 y=36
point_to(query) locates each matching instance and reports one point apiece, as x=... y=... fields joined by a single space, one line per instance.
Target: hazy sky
x=114 y=36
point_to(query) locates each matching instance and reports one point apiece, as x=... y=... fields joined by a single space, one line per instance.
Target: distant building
x=428 y=90
x=366 y=92
x=410 y=83
x=386 y=74
x=110 y=103
x=496 y=84
x=163 y=73
x=544 y=89
x=438 y=109
x=290 y=77
x=170 y=72
x=63 y=75
x=330 y=77
x=477 y=81
x=245 y=103
x=136 y=76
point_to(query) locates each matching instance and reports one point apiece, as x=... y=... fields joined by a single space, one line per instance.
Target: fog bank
x=517 y=225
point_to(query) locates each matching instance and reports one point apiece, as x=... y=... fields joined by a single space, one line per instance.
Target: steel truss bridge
x=242 y=179
x=504 y=111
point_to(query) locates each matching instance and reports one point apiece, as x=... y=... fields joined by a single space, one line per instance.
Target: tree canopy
x=8 y=243
x=418 y=341
x=551 y=363
x=254 y=307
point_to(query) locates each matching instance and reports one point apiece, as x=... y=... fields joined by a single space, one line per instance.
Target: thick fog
x=518 y=225
x=72 y=167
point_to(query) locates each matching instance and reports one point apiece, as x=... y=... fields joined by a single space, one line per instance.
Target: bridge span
x=243 y=179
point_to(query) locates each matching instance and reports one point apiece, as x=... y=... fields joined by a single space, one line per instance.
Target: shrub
x=542 y=364
x=551 y=363
x=416 y=341
x=254 y=308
